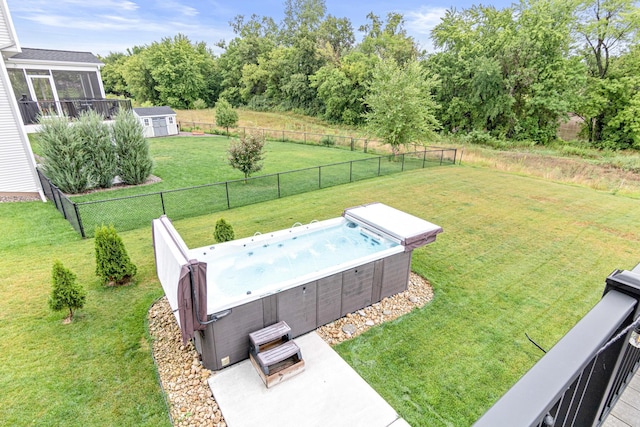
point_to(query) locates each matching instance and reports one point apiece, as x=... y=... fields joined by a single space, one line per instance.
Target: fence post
x=402 y=170
x=319 y=176
x=351 y=171
x=162 y=202
x=75 y=208
x=61 y=197
x=379 y=161
x=365 y=145
x=441 y=156
x=424 y=157
x=278 y=185
x=353 y=147
x=226 y=186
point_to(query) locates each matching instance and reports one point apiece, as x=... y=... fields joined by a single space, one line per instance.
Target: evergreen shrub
x=113 y=265
x=134 y=161
x=65 y=292
x=223 y=231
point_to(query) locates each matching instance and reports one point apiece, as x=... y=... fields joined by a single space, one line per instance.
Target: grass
x=518 y=255
x=183 y=162
x=270 y=120
x=192 y=165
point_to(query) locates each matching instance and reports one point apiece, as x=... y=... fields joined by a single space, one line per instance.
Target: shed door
x=160 y=126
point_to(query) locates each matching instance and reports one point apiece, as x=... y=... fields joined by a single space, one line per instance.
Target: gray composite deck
x=626 y=412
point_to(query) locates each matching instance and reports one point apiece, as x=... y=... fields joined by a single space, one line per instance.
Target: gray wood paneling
x=377 y=281
x=395 y=275
x=270 y=309
x=231 y=333
x=357 y=284
x=329 y=299
x=297 y=307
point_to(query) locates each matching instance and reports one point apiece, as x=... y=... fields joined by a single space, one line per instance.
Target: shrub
x=65 y=158
x=65 y=292
x=113 y=265
x=327 y=141
x=246 y=154
x=94 y=134
x=223 y=231
x=134 y=161
x=199 y=104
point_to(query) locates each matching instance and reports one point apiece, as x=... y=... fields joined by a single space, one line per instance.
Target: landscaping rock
x=349 y=329
x=185 y=380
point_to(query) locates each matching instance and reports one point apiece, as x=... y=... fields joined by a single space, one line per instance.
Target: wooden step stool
x=274 y=355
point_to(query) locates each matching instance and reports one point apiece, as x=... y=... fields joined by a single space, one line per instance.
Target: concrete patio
x=327 y=393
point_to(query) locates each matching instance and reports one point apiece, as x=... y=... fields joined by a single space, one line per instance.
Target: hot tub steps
x=274 y=355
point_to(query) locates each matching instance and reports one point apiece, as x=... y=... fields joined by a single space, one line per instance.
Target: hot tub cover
x=411 y=231
x=184 y=280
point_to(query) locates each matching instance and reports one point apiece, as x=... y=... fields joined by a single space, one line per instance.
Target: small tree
x=134 y=161
x=65 y=292
x=246 y=154
x=226 y=116
x=223 y=232
x=113 y=265
x=401 y=108
x=93 y=133
x=65 y=158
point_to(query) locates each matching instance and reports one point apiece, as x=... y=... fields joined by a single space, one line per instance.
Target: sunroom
x=55 y=82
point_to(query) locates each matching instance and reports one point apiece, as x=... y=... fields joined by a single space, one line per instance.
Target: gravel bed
x=184 y=379
x=9 y=199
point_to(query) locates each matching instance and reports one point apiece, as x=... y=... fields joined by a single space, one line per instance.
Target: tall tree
x=605 y=27
x=113 y=74
x=506 y=71
x=255 y=37
x=401 y=106
x=388 y=40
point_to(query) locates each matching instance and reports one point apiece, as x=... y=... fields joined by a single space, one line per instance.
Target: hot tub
x=308 y=276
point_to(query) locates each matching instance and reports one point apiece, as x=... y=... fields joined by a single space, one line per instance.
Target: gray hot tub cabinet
x=304 y=307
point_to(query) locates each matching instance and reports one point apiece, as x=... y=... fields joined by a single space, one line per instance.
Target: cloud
x=420 y=22
x=423 y=20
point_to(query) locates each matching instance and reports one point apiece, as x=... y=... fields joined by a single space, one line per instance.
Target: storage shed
x=157 y=121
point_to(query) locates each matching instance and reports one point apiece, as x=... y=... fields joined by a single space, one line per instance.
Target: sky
x=103 y=26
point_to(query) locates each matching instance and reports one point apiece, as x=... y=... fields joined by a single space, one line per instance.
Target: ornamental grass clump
x=65 y=292
x=113 y=265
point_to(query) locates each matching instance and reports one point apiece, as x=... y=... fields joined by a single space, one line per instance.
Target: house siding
x=17 y=173
x=5 y=33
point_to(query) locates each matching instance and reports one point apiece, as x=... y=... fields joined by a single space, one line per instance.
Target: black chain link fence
x=128 y=213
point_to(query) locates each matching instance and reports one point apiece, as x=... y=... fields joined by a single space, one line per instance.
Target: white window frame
x=147 y=122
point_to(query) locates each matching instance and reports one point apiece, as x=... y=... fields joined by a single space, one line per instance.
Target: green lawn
x=518 y=255
x=190 y=161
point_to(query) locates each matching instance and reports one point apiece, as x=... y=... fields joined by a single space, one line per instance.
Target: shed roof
x=154 y=111
x=57 y=55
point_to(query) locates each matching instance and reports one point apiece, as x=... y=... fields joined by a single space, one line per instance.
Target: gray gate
x=160 y=126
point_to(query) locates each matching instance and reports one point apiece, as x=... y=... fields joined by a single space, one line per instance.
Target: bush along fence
x=355 y=144
x=128 y=213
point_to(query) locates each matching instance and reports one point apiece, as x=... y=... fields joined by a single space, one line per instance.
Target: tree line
x=513 y=73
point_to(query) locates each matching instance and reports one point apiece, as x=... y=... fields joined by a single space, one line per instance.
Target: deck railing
x=72 y=108
x=580 y=379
